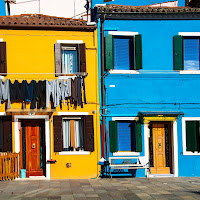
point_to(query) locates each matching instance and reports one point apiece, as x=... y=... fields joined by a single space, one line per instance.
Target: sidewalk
x=121 y=188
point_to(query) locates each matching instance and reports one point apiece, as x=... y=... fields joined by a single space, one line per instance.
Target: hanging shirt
x=65 y=89
x=30 y=94
x=17 y=90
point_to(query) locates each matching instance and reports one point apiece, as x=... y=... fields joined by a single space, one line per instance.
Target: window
x=192 y=136
x=6 y=134
x=125 y=136
x=70 y=59
x=3 y=58
x=123 y=52
x=73 y=133
x=186 y=53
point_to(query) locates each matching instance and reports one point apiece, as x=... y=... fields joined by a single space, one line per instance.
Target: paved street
x=121 y=188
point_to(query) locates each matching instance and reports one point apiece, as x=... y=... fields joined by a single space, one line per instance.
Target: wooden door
x=33 y=149
x=159 y=159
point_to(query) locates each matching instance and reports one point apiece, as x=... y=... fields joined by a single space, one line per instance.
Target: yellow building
x=54 y=129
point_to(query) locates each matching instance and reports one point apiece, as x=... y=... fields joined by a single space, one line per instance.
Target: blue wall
x=161 y=91
x=2 y=8
x=134 y=2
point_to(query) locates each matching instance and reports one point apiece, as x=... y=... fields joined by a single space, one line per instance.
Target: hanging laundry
x=79 y=91
x=52 y=88
x=83 y=85
x=5 y=91
x=65 y=89
x=74 y=91
x=30 y=94
x=40 y=93
x=17 y=90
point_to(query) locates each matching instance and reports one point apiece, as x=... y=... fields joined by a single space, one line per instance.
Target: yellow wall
x=32 y=51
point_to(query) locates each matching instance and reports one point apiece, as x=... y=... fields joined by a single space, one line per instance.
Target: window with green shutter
x=186 y=52
x=123 y=52
x=193 y=136
x=125 y=136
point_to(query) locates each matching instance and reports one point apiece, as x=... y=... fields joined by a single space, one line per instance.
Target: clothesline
x=44 y=91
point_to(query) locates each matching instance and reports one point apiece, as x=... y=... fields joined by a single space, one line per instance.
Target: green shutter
x=109 y=50
x=113 y=136
x=138 y=136
x=138 y=52
x=178 y=52
x=191 y=140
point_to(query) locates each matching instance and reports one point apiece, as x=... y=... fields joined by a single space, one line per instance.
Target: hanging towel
x=40 y=93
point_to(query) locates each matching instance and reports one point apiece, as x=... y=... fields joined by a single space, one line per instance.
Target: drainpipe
x=103 y=85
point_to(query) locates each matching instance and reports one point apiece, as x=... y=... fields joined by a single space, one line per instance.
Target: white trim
x=70 y=41
x=114 y=71
x=73 y=113
x=1 y=39
x=146 y=149
x=126 y=154
x=74 y=153
x=47 y=136
x=175 y=148
x=65 y=77
x=184 y=119
x=123 y=118
x=189 y=72
x=189 y=33
x=122 y=33
x=2 y=113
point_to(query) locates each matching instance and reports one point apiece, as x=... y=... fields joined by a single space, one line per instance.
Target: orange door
x=159 y=159
x=33 y=150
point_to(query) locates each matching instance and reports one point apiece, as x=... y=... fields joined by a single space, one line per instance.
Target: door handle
x=33 y=146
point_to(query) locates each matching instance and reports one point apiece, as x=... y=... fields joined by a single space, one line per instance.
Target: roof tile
x=43 y=21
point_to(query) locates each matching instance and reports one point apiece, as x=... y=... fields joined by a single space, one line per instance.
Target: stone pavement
x=120 y=188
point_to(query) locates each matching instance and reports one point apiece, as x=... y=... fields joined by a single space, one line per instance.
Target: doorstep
x=32 y=178
x=161 y=175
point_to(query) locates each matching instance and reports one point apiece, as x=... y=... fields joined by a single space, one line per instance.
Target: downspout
x=103 y=85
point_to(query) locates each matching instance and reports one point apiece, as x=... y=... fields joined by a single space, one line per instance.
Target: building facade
x=49 y=95
x=148 y=82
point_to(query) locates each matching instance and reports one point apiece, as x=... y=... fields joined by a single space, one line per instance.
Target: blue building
x=150 y=77
x=2 y=8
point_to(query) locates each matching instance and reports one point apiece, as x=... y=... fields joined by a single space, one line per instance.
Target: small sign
x=31 y=113
x=112 y=85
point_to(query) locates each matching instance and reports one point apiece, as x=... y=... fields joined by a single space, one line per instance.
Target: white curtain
x=78 y=133
x=66 y=133
x=69 y=61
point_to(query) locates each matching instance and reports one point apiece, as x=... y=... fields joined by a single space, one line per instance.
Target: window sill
x=124 y=71
x=74 y=153
x=2 y=77
x=66 y=77
x=189 y=153
x=126 y=154
x=189 y=72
